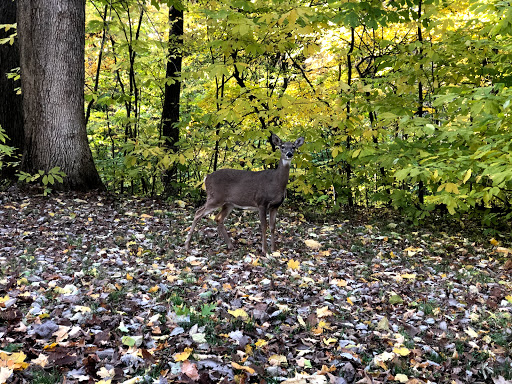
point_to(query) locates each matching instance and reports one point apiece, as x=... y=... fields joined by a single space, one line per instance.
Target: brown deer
x=263 y=191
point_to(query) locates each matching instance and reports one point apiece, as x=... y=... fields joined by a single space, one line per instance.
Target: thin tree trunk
x=52 y=46
x=171 y=105
x=11 y=112
x=98 y=68
x=348 y=167
x=419 y=112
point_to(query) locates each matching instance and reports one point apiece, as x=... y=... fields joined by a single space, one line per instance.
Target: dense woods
x=402 y=103
x=112 y=112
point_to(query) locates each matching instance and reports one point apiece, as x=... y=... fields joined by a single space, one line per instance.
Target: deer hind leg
x=263 y=223
x=221 y=216
x=201 y=212
x=272 y=225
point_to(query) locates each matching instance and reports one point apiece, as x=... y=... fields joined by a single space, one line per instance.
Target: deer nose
x=289 y=154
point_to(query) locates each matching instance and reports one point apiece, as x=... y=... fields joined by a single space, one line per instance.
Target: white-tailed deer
x=263 y=191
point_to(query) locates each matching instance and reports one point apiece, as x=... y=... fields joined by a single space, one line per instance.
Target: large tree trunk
x=52 y=38
x=11 y=117
x=171 y=107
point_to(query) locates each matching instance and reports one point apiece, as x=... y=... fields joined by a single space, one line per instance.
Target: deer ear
x=276 y=140
x=299 y=142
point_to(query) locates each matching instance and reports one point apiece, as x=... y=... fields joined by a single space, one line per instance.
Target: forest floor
x=98 y=289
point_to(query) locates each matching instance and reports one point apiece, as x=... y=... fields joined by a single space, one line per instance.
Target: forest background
x=402 y=103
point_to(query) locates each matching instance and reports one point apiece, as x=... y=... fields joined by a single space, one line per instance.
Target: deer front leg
x=272 y=225
x=263 y=223
x=221 y=216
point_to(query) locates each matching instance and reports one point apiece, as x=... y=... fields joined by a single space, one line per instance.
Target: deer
x=262 y=191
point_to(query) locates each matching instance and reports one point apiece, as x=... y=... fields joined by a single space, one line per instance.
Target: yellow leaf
x=494 y=242
x=182 y=356
x=277 y=360
x=41 y=360
x=409 y=276
x=349 y=301
x=383 y=324
x=509 y=298
x=227 y=286
x=402 y=351
x=15 y=361
x=293 y=264
x=323 y=312
x=4 y=299
x=451 y=187
x=129 y=277
x=313 y=244
x=260 y=343
x=153 y=289
x=239 y=313
x=466 y=176
x=329 y=341
x=471 y=333
x=249 y=370
x=340 y=282
x=301 y=320
x=401 y=378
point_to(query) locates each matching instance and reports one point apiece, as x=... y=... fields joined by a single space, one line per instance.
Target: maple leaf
x=182 y=356
x=323 y=312
x=313 y=244
x=153 y=289
x=15 y=361
x=402 y=351
x=294 y=265
x=245 y=368
x=5 y=373
x=260 y=343
x=239 y=313
x=277 y=360
x=190 y=369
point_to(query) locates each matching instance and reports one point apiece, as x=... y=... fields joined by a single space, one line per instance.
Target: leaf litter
x=98 y=289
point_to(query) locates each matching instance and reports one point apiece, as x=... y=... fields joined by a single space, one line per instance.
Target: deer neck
x=283 y=172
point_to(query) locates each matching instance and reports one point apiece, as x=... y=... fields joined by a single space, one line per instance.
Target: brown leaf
x=190 y=369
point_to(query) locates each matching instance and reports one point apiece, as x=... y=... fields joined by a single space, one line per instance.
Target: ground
x=98 y=288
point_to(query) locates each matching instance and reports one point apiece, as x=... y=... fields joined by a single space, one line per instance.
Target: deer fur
x=263 y=191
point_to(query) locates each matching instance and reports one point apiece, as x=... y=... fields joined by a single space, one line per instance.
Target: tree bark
x=11 y=115
x=52 y=45
x=171 y=105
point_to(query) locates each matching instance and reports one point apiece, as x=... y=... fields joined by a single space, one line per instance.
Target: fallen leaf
x=313 y=244
x=239 y=313
x=471 y=332
x=323 y=312
x=383 y=324
x=277 y=360
x=182 y=356
x=402 y=351
x=249 y=370
x=190 y=369
x=5 y=373
x=294 y=265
